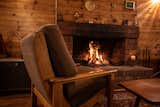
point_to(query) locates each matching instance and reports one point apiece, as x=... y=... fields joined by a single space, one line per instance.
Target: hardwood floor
x=21 y=100
x=120 y=99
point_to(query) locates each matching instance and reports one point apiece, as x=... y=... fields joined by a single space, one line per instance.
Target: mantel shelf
x=98 y=30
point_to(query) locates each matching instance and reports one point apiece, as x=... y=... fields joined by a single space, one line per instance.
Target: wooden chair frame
x=56 y=89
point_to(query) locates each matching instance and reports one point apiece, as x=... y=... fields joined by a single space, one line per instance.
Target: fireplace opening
x=94 y=51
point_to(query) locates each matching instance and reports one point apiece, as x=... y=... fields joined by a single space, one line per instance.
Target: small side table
x=13 y=75
x=146 y=89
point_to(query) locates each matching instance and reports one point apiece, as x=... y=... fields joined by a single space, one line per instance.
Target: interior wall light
x=156 y=1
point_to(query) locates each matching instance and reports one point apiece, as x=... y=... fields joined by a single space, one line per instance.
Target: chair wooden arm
x=41 y=97
x=91 y=74
x=56 y=84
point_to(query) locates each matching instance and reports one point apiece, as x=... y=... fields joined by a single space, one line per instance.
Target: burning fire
x=94 y=56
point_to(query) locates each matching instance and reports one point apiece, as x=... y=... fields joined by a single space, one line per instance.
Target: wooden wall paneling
x=149 y=23
x=20 y=17
x=105 y=12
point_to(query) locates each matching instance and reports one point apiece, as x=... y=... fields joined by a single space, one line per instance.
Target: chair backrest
x=36 y=59
x=61 y=60
x=46 y=55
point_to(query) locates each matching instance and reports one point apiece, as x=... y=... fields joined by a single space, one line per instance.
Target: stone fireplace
x=117 y=42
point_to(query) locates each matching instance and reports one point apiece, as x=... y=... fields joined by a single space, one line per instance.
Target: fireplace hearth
x=115 y=43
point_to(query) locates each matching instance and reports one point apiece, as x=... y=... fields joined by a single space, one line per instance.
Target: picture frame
x=130 y=4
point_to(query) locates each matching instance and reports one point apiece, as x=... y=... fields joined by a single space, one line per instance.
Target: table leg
x=137 y=102
x=109 y=89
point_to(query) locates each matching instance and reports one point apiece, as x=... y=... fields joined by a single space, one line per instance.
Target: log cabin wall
x=20 y=17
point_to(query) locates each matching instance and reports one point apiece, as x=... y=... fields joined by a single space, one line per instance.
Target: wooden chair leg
x=137 y=102
x=109 y=89
x=34 y=100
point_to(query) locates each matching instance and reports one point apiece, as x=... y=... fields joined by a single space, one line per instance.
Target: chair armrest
x=91 y=74
x=42 y=99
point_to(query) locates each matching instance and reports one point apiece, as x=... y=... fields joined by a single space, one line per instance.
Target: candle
x=133 y=57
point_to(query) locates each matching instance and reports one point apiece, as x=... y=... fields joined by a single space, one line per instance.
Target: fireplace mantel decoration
x=118 y=40
x=90 y=5
x=130 y=4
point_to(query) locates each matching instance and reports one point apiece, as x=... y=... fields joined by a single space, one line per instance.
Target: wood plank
x=92 y=74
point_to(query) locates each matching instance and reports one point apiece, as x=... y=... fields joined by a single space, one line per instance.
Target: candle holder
x=132 y=60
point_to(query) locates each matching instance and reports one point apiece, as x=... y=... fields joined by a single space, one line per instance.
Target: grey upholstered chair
x=56 y=80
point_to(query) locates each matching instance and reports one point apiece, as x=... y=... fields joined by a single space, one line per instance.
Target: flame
x=94 y=56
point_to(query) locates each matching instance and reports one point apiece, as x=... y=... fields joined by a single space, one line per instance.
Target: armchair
x=56 y=80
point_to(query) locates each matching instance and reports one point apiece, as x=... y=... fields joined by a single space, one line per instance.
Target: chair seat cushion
x=80 y=91
x=61 y=60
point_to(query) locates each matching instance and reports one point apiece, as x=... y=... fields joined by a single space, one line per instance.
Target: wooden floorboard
x=21 y=100
x=120 y=99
